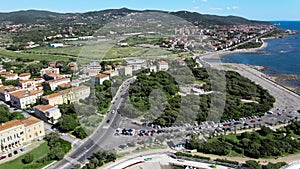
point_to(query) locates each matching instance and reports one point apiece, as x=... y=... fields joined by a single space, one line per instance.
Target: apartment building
x=48 y=113
x=23 y=98
x=111 y=73
x=4 y=92
x=55 y=83
x=15 y=133
x=67 y=96
x=125 y=70
x=100 y=78
x=162 y=66
x=49 y=70
x=24 y=76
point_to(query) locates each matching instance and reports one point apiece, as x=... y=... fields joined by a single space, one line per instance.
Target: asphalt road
x=98 y=139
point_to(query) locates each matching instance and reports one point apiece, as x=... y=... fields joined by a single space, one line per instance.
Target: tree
x=67 y=123
x=107 y=83
x=79 y=133
x=253 y=164
x=28 y=158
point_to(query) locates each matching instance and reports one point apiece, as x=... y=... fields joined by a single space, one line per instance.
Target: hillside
x=105 y=16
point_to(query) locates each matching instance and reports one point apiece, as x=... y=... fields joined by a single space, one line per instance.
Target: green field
x=38 y=152
x=40 y=57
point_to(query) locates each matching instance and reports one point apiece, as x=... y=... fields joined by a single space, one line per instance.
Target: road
x=100 y=137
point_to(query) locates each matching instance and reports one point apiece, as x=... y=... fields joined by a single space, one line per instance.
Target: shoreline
x=216 y=55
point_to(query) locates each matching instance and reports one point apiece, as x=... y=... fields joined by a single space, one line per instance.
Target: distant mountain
x=105 y=16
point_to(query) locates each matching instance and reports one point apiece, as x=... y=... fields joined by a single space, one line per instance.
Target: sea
x=281 y=56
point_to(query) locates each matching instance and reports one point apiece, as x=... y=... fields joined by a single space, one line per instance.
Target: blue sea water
x=282 y=56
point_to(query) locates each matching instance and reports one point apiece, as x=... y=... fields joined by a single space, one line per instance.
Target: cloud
x=196 y=7
x=232 y=8
x=204 y=0
x=216 y=9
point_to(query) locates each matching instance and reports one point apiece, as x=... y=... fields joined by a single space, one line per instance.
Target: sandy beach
x=216 y=55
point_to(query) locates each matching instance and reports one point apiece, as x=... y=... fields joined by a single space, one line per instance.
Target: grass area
x=40 y=57
x=38 y=152
x=89 y=124
x=230 y=66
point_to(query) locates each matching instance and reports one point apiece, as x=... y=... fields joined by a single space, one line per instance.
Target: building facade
x=15 y=133
x=23 y=98
x=48 y=113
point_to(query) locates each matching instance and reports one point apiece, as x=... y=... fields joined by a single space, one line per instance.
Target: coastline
x=216 y=55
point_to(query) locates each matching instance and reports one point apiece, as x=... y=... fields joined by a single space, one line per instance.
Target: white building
x=24 y=76
x=56 y=45
x=136 y=64
x=49 y=70
x=162 y=66
x=4 y=92
x=22 y=99
x=100 y=78
x=125 y=70
x=111 y=73
x=54 y=83
x=48 y=113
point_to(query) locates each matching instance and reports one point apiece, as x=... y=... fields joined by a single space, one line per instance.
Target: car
x=15 y=152
x=270 y=112
x=113 y=111
x=2 y=157
x=253 y=121
x=107 y=121
x=10 y=155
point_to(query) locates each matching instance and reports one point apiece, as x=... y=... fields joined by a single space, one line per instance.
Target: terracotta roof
x=11 y=74
x=23 y=93
x=53 y=74
x=109 y=71
x=38 y=79
x=10 y=124
x=7 y=88
x=162 y=63
x=181 y=61
x=30 y=121
x=43 y=107
x=101 y=75
x=52 y=95
x=24 y=74
x=58 y=80
x=25 y=81
x=65 y=85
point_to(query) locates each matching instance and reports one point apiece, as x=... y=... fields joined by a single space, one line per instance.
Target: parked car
x=2 y=157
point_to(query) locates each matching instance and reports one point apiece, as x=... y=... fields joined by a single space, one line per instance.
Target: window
x=29 y=136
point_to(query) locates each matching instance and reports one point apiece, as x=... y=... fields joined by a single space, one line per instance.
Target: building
x=48 y=113
x=111 y=73
x=125 y=70
x=92 y=66
x=49 y=70
x=10 y=76
x=34 y=128
x=92 y=73
x=55 y=83
x=53 y=76
x=100 y=78
x=67 y=96
x=31 y=84
x=53 y=99
x=136 y=64
x=4 y=92
x=73 y=66
x=15 y=133
x=56 y=45
x=64 y=86
x=181 y=62
x=162 y=66
x=24 y=76
x=153 y=68
x=23 y=98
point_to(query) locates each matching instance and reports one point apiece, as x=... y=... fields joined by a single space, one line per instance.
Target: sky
x=268 y=10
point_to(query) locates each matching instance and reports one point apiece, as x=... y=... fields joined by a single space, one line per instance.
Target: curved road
x=96 y=141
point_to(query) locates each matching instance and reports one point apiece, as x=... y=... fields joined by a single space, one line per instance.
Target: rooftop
x=9 y=88
x=30 y=121
x=44 y=107
x=101 y=75
x=24 y=93
x=10 y=124
x=52 y=95
x=24 y=74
